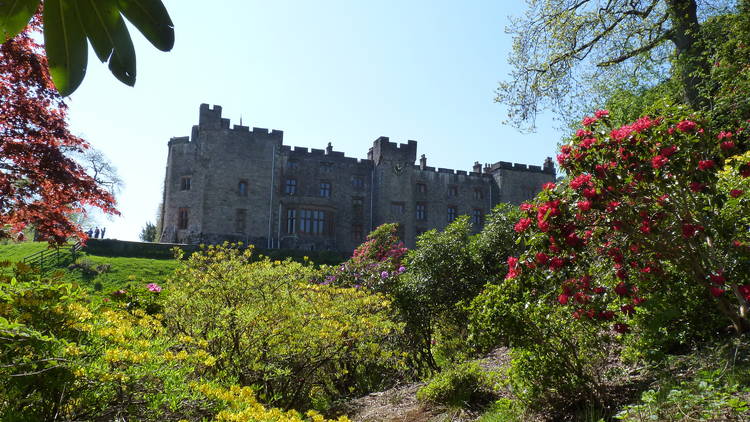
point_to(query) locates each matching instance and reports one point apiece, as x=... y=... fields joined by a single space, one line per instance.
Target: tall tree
x=40 y=183
x=566 y=51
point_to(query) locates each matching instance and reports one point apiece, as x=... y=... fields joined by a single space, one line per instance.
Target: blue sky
x=344 y=72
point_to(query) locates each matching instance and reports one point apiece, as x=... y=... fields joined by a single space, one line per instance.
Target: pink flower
x=601 y=113
x=548 y=186
x=734 y=193
x=659 y=161
x=584 y=205
x=706 y=164
x=686 y=126
x=580 y=181
x=523 y=224
x=153 y=287
x=727 y=146
x=697 y=186
x=588 y=121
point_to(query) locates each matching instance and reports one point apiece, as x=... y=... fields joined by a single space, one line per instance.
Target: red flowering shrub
x=643 y=202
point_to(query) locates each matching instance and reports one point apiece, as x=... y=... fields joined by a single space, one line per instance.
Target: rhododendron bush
x=659 y=197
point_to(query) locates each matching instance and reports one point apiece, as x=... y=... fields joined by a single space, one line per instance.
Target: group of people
x=96 y=233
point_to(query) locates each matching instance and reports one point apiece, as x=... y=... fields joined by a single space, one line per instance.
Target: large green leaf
x=152 y=19
x=14 y=15
x=109 y=37
x=65 y=43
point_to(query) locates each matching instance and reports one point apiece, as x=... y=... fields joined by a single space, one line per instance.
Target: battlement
x=460 y=174
x=383 y=149
x=179 y=140
x=505 y=165
x=210 y=118
x=302 y=153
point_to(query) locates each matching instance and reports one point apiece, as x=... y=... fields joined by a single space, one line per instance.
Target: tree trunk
x=691 y=67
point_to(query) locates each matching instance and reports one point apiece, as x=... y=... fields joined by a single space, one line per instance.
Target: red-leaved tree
x=660 y=204
x=40 y=184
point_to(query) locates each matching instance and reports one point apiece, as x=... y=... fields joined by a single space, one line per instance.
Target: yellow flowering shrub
x=300 y=344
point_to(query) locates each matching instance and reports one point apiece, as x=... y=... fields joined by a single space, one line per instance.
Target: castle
x=237 y=184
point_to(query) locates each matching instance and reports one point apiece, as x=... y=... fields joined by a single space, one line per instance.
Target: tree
x=100 y=169
x=40 y=183
x=148 y=233
x=68 y=24
x=565 y=50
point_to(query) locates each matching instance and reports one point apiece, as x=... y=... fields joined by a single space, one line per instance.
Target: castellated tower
x=241 y=184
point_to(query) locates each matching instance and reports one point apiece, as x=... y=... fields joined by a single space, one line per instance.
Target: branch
x=637 y=51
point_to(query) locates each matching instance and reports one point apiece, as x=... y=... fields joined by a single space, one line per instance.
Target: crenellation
x=346 y=196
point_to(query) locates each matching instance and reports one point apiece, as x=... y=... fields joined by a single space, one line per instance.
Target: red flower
x=734 y=193
x=563 y=299
x=584 y=205
x=581 y=133
x=723 y=135
x=621 y=328
x=581 y=181
x=686 y=126
x=527 y=207
x=556 y=263
x=589 y=193
x=628 y=310
x=697 y=186
x=718 y=278
x=689 y=230
x=638 y=300
x=541 y=258
x=659 y=161
x=745 y=170
x=588 y=143
x=600 y=290
x=706 y=164
x=513 y=268
x=523 y=224
x=727 y=146
x=668 y=151
x=548 y=186
x=601 y=113
x=588 y=121
x=621 y=289
x=606 y=315
x=716 y=291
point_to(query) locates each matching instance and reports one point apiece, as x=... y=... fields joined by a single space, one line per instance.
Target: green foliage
x=148 y=233
x=464 y=385
x=270 y=326
x=554 y=363
x=709 y=384
x=504 y=410
x=69 y=24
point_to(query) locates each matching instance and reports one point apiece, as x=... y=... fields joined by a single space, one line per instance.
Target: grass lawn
x=113 y=273
x=14 y=252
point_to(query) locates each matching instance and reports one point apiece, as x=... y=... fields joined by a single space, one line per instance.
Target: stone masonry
x=237 y=184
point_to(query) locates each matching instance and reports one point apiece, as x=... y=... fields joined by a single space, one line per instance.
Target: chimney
x=549 y=166
x=329 y=148
x=422 y=162
x=477 y=167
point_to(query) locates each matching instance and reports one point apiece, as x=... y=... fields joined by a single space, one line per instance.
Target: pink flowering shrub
x=375 y=264
x=657 y=205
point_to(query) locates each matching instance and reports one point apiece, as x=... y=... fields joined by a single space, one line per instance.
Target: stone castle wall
x=238 y=189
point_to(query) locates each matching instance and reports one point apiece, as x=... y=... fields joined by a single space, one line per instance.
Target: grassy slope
x=107 y=273
x=14 y=252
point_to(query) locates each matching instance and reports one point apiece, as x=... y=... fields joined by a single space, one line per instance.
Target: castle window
x=292 y=164
x=478 y=194
x=290 y=187
x=182 y=218
x=312 y=221
x=453 y=191
x=476 y=216
x=240 y=220
x=358 y=182
x=326 y=167
x=452 y=213
x=185 y=183
x=357 y=207
x=325 y=189
x=398 y=208
x=291 y=219
x=242 y=188
x=421 y=188
x=357 y=233
x=421 y=211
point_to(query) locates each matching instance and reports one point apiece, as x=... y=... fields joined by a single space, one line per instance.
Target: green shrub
x=464 y=385
x=298 y=343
